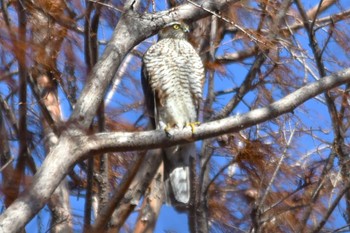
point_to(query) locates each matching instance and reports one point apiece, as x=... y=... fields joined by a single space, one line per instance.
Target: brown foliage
x=284 y=175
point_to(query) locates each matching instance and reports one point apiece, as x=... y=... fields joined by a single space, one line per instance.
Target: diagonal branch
x=331 y=209
x=131 y=30
x=72 y=148
x=126 y=141
x=334 y=115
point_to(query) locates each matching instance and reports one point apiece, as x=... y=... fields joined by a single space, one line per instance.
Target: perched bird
x=172 y=78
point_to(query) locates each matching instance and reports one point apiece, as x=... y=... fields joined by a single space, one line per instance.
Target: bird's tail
x=177 y=173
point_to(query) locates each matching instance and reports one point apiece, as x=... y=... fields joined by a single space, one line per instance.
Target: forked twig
x=228 y=21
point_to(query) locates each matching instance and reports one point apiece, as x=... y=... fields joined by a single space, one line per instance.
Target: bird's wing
x=149 y=97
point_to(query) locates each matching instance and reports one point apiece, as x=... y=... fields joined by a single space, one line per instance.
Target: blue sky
x=316 y=117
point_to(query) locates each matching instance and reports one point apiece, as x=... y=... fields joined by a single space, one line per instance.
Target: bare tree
x=274 y=139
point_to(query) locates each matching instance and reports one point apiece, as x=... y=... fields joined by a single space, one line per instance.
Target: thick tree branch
x=131 y=30
x=56 y=165
x=126 y=141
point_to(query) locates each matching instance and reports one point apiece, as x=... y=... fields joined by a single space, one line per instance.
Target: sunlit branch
x=124 y=141
x=118 y=77
x=283 y=45
x=237 y=56
x=121 y=43
x=336 y=122
x=107 y=5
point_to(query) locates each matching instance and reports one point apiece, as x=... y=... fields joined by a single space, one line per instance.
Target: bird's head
x=175 y=30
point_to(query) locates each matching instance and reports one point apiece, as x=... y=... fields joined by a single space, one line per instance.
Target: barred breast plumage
x=175 y=74
x=172 y=79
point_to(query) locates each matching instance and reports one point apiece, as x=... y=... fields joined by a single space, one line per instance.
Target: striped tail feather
x=177 y=173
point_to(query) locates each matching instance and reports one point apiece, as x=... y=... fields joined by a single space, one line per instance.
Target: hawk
x=172 y=78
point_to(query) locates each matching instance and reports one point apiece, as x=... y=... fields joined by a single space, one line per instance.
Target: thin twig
x=301 y=187
x=107 y=211
x=107 y=5
x=330 y=210
x=217 y=174
x=317 y=11
x=267 y=190
x=6 y=164
x=230 y=22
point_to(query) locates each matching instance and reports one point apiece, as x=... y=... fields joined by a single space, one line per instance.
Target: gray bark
x=71 y=149
x=74 y=144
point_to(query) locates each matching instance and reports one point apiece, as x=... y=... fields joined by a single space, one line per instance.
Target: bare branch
x=123 y=40
x=153 y=139
x=229 y=38
x=330 y=210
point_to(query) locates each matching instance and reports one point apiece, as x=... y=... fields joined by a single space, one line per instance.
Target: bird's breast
x=175 y=73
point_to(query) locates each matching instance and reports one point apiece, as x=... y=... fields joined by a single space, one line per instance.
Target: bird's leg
x=193 y=125
x=167 y=129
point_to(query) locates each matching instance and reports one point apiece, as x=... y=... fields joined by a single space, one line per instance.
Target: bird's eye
x=176 y=27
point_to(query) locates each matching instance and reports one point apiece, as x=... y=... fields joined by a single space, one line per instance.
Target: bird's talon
x=167 y=131
x=193 y=125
